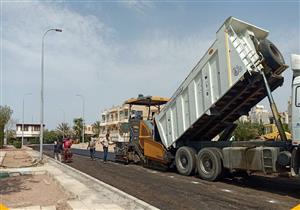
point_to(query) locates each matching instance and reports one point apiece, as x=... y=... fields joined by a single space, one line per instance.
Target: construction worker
x=92 y=147
x=58 y=148
x=105 y=143
x=67 y=149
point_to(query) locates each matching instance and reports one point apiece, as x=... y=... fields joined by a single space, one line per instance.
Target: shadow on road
x=278 y=185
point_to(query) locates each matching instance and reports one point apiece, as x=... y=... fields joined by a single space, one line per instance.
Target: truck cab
x=295 y=65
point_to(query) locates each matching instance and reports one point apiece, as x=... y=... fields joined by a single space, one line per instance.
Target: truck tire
x=209 y=164
x=185 y=160
x=273 y=57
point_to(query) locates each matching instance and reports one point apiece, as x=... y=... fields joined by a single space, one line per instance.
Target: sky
x=110 y=51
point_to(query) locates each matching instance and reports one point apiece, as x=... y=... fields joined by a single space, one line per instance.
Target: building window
x=36 y=128
x=25 y=128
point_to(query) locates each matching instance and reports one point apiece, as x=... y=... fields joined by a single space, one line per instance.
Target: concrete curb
x=54 y=163
x=109 y=187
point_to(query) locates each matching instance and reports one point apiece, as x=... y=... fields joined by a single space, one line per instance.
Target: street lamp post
x=81 y=96
x=64 y=120
x=23 y=116
x=42 y=93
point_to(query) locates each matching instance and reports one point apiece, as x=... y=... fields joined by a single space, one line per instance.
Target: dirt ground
x=16 y=158
x=22 y=191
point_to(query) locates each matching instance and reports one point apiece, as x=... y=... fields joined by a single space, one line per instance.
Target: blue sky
x=113 y=50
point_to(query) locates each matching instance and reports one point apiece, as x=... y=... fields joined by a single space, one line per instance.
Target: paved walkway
x=88 y=192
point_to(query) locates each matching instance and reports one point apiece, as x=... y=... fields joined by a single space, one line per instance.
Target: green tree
x=10 y=131
x=77 y=127
x=63 y=129
x=286 y=127
x=5 y=114
x=50 y=136
x=247 y=131
x=96 y=128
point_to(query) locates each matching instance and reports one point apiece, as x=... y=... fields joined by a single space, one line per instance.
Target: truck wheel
x=272 y=55
x=185 y=159
x=209 y=164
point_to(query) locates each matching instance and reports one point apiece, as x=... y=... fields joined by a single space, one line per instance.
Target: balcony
x=27 y=134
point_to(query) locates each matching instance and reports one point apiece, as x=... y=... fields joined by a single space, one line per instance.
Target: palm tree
x=63 y=129
x=96 y=128
x=77 y=127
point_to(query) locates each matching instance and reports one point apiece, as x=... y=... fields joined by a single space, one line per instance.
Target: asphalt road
x=82 y=152
x=169 y=190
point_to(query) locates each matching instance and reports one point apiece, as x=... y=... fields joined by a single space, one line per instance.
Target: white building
x=259 y=114
x=31 y=131
x=244 y=118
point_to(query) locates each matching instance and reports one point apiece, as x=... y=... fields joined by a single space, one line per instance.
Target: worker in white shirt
x=105 y=143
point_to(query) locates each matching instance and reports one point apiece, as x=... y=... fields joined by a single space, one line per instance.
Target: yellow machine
x=142 y=146
x=271 y=133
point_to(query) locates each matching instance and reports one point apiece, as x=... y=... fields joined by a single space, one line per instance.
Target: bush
x=246 y=131
x=11 y=141
x=17 y=144
x=35 y=140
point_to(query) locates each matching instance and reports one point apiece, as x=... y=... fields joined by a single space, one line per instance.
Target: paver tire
x=272 y=55
x=209 y=165
x=185 y=159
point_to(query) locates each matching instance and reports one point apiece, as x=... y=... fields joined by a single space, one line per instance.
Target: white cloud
x=85 y=58
x=139 y=6
x=73 y=59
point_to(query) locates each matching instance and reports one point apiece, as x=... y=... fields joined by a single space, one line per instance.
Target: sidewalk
x=82 y=191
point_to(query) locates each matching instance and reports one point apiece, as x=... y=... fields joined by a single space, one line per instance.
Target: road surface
x=171 y=191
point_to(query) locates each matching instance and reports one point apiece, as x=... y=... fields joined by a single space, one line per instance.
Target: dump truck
x=193 y=129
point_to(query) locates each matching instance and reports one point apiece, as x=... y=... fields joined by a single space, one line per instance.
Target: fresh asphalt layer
x=169 y=190
x=83 y=152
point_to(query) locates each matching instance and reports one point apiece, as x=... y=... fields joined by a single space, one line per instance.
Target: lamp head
x=58 y=30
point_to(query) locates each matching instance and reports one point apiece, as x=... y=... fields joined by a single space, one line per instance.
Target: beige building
x=112 y=118
x=88 y=130
x=284 y=117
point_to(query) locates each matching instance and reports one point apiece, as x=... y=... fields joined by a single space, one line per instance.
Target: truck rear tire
x=209 y=165
x=185 y=160
x=272 y=55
